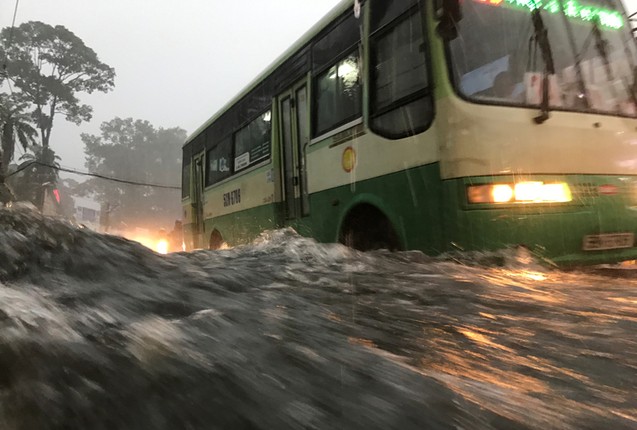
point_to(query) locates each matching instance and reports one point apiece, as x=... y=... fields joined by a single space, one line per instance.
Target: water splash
x=100 y=332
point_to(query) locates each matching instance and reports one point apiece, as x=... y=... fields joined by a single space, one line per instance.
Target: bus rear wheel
x=366 y=228
x=216 y=240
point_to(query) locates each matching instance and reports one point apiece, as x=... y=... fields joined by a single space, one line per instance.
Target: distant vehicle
x=439 y=126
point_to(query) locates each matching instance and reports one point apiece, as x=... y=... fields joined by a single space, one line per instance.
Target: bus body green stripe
x=551 y=231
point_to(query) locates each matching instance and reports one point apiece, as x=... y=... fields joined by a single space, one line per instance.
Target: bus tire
x=366 y=228
x=216 y=240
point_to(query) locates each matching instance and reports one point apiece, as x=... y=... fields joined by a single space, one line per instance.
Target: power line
x=94 y=175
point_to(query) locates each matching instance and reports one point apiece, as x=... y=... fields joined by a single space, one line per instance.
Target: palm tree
x=15 y=125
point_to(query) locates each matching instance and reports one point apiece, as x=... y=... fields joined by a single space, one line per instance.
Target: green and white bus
x=433 y=125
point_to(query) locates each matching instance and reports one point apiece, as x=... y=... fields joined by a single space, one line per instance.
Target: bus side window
x=219 y=164
x=252 y=142
x=401 y=103
x=337 y=92
x=338 y=95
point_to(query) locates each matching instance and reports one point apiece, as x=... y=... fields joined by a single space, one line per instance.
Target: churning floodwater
x=98 y=332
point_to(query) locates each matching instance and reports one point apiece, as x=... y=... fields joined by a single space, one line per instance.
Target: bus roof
x=302 y=41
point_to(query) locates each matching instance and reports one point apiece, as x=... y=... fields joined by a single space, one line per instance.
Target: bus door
x=197 y=201
x=294 y=126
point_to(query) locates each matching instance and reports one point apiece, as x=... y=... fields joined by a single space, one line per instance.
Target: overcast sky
x=177 y=62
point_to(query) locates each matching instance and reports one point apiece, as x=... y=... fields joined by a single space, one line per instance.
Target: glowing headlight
x=501 y=193
x=521 y=192
x=528 y=191
x=559 y=192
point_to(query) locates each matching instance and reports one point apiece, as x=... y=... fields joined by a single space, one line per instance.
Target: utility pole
x=104 y=216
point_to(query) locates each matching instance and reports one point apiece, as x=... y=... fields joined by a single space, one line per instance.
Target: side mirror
x=448 y=13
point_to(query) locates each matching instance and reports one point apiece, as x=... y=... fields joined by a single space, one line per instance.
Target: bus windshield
x=499 y=56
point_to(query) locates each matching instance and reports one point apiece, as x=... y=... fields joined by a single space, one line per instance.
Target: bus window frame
x=427 y=93
x=336 y=131
x=334 y=26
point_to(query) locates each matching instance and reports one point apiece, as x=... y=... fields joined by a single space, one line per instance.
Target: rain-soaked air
x=421 y=215
x=286 y=333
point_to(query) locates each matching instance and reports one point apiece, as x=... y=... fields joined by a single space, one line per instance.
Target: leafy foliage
x=48 y=66
x=37 y=174
x=135 y=150
x=15 y=125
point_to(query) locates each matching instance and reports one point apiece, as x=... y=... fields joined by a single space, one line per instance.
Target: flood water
x=98 y=332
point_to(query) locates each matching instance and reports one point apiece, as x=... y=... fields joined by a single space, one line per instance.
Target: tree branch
x=80 y=75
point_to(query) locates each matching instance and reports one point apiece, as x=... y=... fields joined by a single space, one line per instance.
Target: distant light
x=162 y=246
x=56 y=193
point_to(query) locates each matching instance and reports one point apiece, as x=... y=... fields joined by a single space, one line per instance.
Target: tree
x=135 y=150
x=37 y=174
x=16 y=125
x=50 y=66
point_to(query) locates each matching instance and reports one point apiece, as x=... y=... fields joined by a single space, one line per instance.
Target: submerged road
x=99 y=332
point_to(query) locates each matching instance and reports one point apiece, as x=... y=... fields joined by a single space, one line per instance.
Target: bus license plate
x=599 y=242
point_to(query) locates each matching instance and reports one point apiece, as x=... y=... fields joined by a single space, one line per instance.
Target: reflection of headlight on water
x=535 y=276
x=162 y=246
